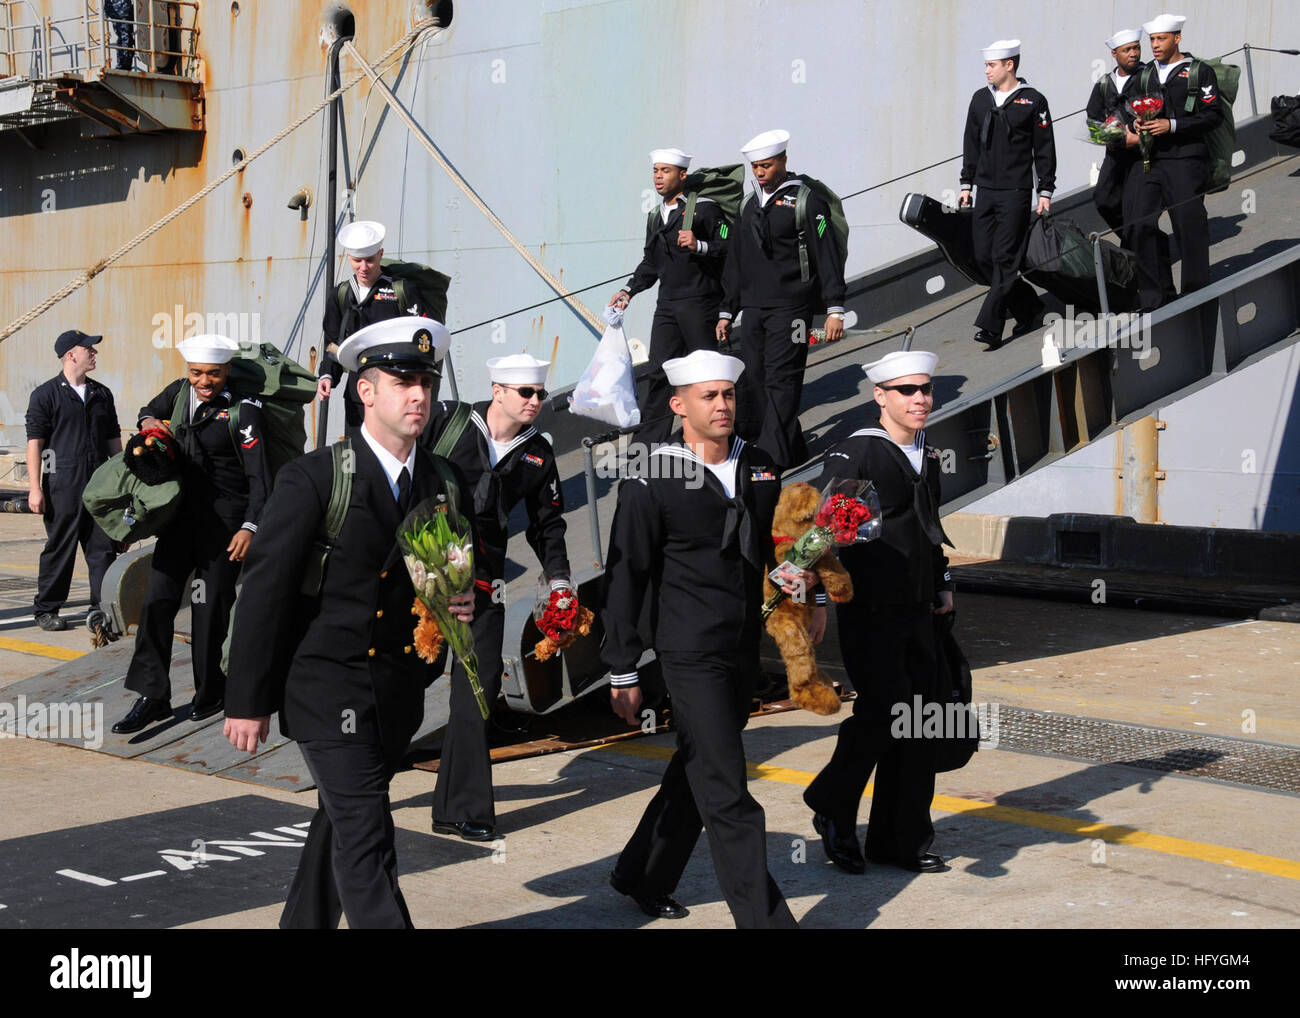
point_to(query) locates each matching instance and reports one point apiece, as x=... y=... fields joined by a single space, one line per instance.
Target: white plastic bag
x=607 y=389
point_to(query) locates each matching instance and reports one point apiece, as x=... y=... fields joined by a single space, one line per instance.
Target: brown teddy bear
x=790 y=623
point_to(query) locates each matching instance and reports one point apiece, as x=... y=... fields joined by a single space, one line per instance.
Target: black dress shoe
x=841 y=848
x=202 y=713
x=145 y=710
x=656 y=906
x=928 y=863
x=991 y=340
x=467 y=831
x=50 y=622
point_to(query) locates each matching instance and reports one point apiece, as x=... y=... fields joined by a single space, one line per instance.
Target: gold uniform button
x=384 y=575
x=370 y=652
x=379 y=614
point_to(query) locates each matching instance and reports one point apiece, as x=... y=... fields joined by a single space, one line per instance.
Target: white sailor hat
x=671 y=156
x=901 y=363
x=1123 y=37
x=207 y=349
x=703 y=366
x=1164 y=23
x=517 y=369
x=362 y=238
x=403 y=345
x=765 y=146
x=1003 y=49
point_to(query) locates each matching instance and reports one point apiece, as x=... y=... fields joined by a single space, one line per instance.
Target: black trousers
x=889 y=655
x=999 y=230
x=680 y=327
x=349 y=861
x=774 y=347
x=194 y=543
x=705 y=786
x=1108 y=194
x=68 y=524
x=464 y=790
x=1175 y=185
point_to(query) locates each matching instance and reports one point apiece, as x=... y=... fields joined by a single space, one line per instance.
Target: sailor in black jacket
x=1108 y=97
x=1180 y=164
x=887 y=635
x=371 y=297
x=686 y=260
x=340 y=666
x=71 y=429
x=504 y=461
x=767 y=263
x=1008 y=140
x=690 y=534
x=224 y=484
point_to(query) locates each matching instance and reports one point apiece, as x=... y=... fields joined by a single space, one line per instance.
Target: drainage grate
x=1264 y=765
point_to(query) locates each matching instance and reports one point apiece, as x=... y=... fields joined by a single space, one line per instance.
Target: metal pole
x=85 y=34
x=45 y=48
x=103 y=34
x=322 y=412
x=1101 y=275
x=589 y=469
x=152 y=40
x=1250 y=82
x=11 y=62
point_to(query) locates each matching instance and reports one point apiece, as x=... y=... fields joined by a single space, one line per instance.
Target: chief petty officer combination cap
x=765 y=145
x=208 y=349
x=517 y=369
x=73 y=337
x=1165 y=23
x=703 y=366
x=362 y=238
x=1003 y=49
x=671 y=156
x=400 y=346
x=901 y=363
x=1123 y=37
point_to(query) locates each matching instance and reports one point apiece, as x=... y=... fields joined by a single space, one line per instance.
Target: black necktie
x=404 y=491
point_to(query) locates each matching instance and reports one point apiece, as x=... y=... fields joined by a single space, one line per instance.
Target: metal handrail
x=84 y=43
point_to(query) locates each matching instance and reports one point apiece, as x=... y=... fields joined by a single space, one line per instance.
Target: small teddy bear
x=790 y=623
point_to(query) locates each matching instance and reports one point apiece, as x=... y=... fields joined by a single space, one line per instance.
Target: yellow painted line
x=1115 y=835
x=40 y=649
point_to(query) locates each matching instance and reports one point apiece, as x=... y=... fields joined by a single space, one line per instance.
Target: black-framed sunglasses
x=911 y=389
x=527 y=391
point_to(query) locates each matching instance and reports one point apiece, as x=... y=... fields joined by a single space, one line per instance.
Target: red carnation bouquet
x=559 y=618
x=1146 y=108
x=848 y=513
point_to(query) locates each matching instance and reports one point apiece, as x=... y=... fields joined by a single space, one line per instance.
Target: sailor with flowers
x=887 y=631
x=505 y=461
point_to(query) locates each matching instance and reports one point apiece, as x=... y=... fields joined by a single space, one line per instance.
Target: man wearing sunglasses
x=887 y=632
x=505 y=461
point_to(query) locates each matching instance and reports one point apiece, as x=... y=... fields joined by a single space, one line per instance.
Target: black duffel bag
x=1059 y=258
x=1286 y=120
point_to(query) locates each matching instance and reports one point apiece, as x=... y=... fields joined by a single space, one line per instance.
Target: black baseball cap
x=71 y=338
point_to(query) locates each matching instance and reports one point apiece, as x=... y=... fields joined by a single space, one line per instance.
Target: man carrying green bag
x=224 y=479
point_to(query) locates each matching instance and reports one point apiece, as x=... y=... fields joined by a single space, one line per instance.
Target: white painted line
x=294 y=831
x=75 y=875
x=237 y=847
x=305 y=823
x=4 y=906
x=280 y=843
x=264 y=836
x=144 y=876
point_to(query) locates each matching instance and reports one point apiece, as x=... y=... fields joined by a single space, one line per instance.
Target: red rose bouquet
x=848 y=513
x=1146 y=108
x=559 y=618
